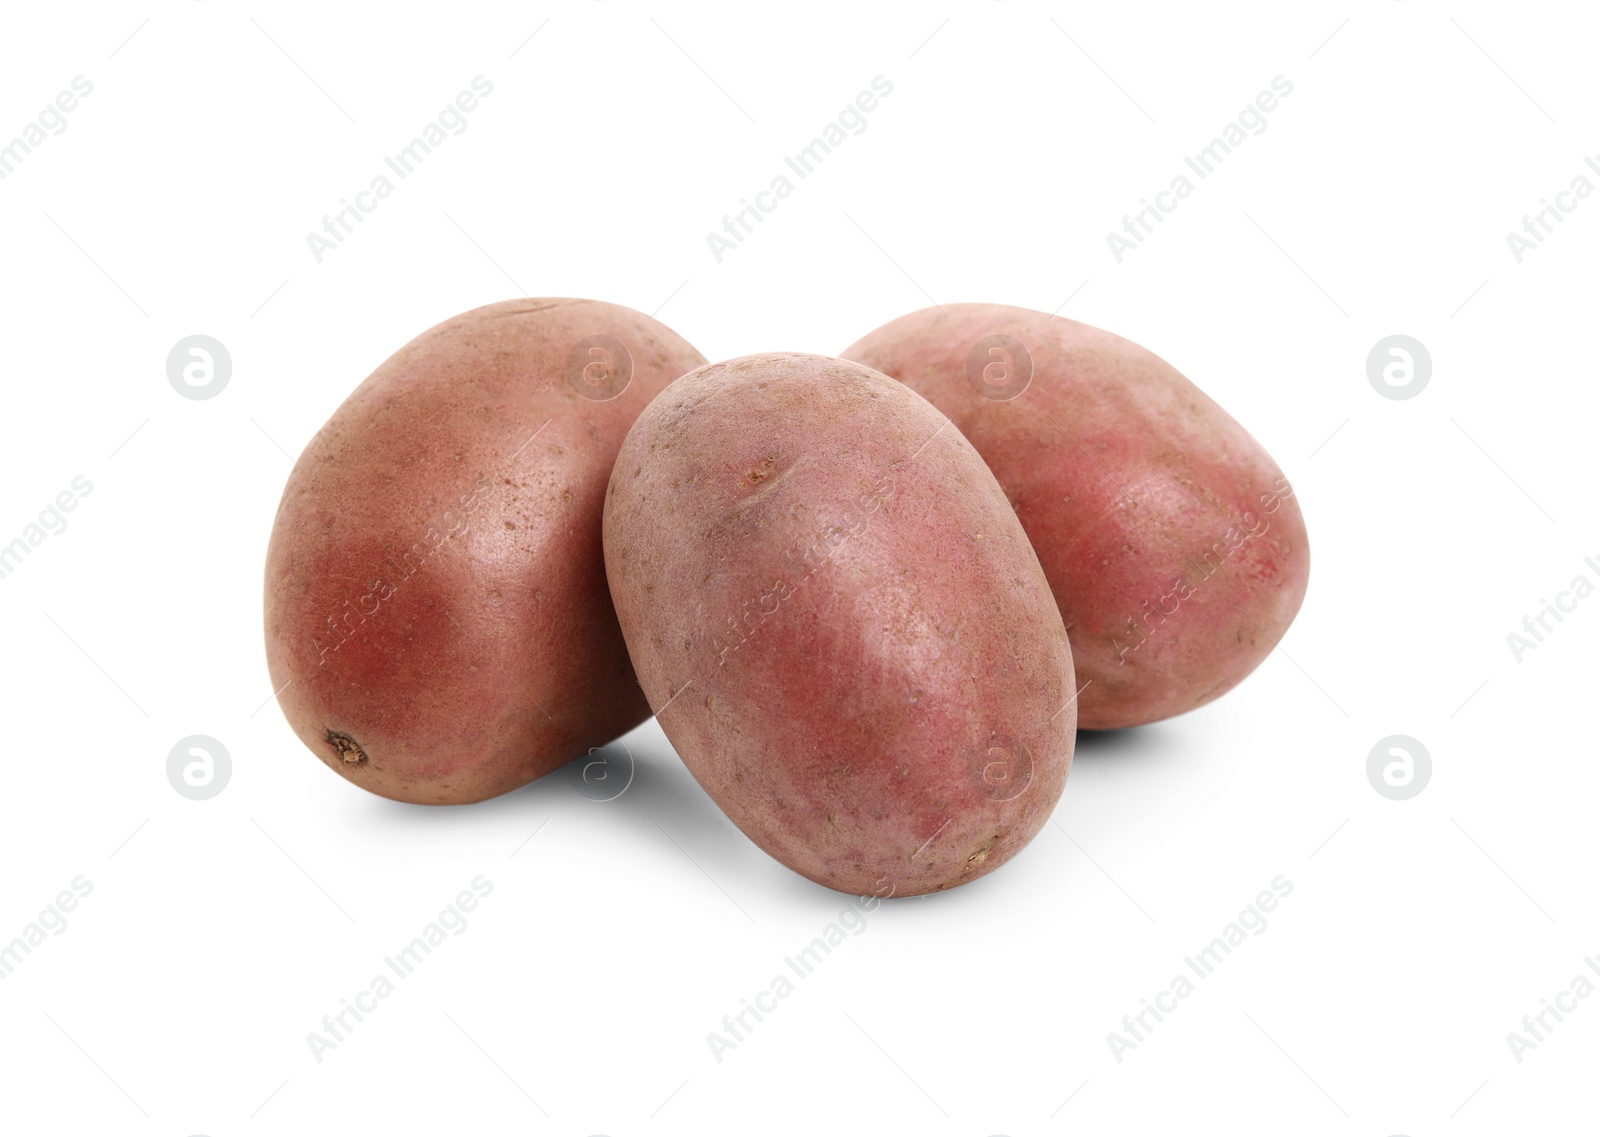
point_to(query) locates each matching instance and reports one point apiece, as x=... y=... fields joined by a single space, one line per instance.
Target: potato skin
x=436 y=611
x=1171 y=539
x=840 y=623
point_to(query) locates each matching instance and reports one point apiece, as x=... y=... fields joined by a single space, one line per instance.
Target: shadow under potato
x=661 y=788
x=644 y=782
x=1096 y=744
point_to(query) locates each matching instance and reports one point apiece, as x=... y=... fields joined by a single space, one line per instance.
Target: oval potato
x=840 y=622
x=1171 y=539
x=437 y=621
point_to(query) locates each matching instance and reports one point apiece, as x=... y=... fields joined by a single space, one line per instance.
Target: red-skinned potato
x=841 y=624
x=438 y=625
x=1171 y=539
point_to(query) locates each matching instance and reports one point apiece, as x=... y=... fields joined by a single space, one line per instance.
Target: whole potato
x=1171 y=539
x=437 y=620
x=841 y=625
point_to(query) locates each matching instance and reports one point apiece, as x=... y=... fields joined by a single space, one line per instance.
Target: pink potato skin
x=840 y=623
x=1171 y=539
x=437 y=621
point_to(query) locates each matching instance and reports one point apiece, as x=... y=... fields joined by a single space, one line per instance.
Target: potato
x=840 y=623
x=1171 y=539
x=437 y=620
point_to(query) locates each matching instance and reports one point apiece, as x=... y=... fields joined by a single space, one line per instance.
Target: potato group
x=1172 y=541
x=437 y=621
x=870 y=600
x=840 y=623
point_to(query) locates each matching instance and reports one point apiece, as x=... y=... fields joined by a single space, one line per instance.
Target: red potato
x=436 y=609
x=1171 y=539
x=840 y=622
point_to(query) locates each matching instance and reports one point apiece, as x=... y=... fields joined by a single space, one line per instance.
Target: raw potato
x=436 y=609
x=840 y=622
x=1170 y=537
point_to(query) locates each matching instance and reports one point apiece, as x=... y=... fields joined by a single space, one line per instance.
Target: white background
x=219 y=933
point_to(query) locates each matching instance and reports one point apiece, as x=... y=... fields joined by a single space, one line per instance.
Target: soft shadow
x=663 y=801
x=636 y=788
x=1130 y=746
x=664 y=791
x=1097 y=744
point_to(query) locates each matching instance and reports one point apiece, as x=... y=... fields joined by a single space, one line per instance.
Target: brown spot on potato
x=346 y=747
x=981 y=853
